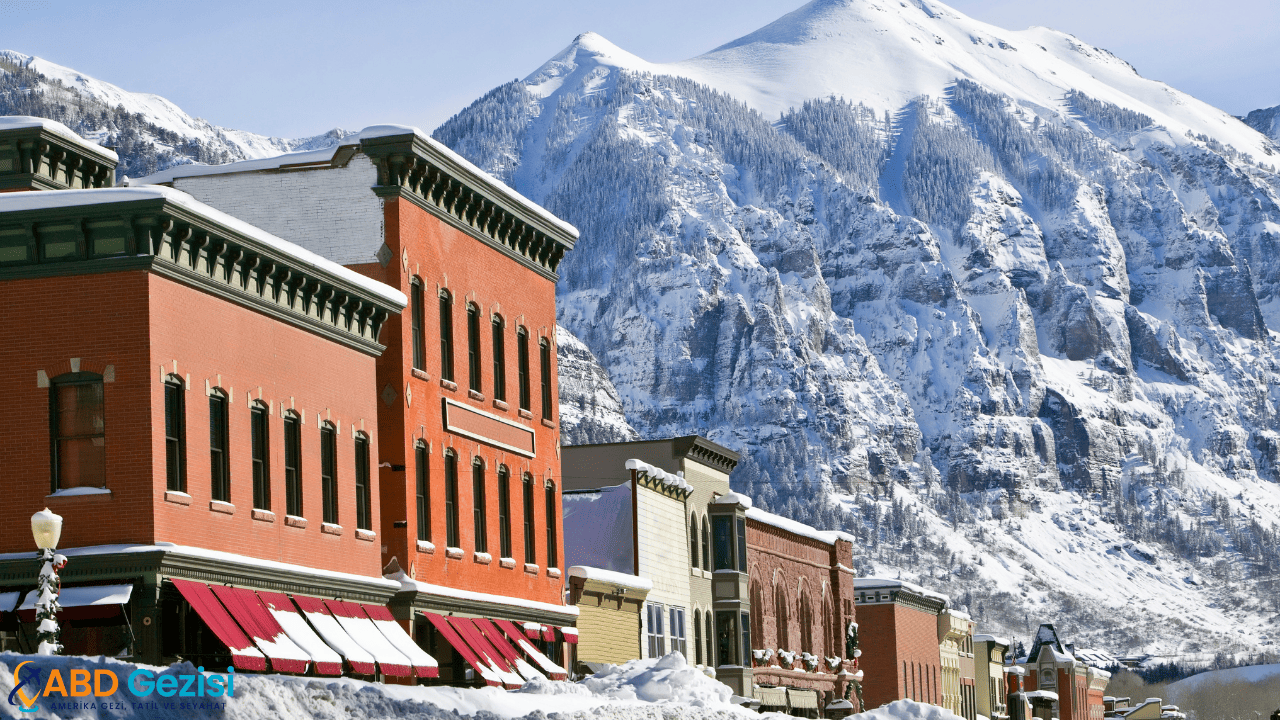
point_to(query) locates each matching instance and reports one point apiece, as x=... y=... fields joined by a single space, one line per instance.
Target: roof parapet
x=40 y=154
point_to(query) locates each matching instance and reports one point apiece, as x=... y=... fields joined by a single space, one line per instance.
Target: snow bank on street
x=668 y=679
x=907 y=710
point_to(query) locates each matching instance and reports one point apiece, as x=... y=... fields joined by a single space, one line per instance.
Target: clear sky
x=295 y=69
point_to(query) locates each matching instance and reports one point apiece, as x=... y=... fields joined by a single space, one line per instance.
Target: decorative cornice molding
x=37 y=158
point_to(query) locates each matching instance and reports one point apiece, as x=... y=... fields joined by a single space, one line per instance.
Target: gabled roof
x=1047 y=637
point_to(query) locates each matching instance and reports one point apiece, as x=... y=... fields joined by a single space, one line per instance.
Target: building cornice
x=709 y=453
x=37 y=158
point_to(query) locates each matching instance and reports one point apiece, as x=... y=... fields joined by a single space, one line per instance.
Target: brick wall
x=899 y=654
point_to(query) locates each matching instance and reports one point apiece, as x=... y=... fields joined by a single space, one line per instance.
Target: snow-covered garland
x=810 y=661
x=786 y=658
x=762 y=656
x=47 y=588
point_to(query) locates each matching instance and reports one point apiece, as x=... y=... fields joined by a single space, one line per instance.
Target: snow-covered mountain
x=989 y=300
x=1265 y=121
x=150 y=132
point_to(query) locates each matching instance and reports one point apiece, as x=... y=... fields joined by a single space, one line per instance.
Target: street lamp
x=46 y=527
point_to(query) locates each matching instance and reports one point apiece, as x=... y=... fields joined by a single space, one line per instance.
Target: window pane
x=79 y=433
x=706 y=545
x=522 y=366
x=552 y=546
x=742 y=544
x=446 y=338
x=451 y=500
x=417 y=315
x=745 y=626
x=424 y=496
x=478 y=507
x=544 y=351
x=727 y=637
x=722 y=534
x=261 y=462
x=530 y=552
x=328 y=473
x=174 y=438
x=219 y=467
x=364 y=512
x=293 y=466
x=499 y=361
x=473 y=347
x=504 y=512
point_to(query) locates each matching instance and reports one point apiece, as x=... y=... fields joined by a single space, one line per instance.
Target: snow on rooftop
x=17 y=122
x=797 y=528
x=327 y=154
x=408 y=583
x=992 y=639
x=658 y=473
x=873 y=583
x=609 y=576
x=733 y=498
x=15 y=202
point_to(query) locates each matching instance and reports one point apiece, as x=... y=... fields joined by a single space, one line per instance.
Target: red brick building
x=1052 y=666
x=899 y=632
x=804 y=634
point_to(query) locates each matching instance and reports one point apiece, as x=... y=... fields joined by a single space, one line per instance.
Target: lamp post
x=46 y=527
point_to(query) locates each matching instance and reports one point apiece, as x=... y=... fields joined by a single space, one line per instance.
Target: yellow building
x=989 y=684
x=955 y=645
x=609 y=605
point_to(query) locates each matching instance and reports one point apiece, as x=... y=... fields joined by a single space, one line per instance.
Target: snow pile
x=907 y=710
x=668 y=679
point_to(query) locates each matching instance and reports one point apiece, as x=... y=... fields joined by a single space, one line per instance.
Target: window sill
x=79 y=491
x=264 y=515
x=553 y=572
x=507 y=563
x=419 y=374
x=295 y=521
x=475 y=395
x=501 y=405
x=482 y=558
x=366 y=535
x=427 y=548
x=525 y=414
x=225 y=508
x=548 y=423
x=448 y=384
x=453 y=553
x=331 y=529
x=177 y=498
x=531 y=568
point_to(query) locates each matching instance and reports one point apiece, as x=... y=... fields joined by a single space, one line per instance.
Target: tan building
x=955 y=647
x=990 y=689
x=609 y=609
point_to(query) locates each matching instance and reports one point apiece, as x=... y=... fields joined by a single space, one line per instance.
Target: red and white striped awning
x=243 y=654
x=257 y=622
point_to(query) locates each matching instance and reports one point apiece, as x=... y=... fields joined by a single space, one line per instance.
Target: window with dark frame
x=175 y=436
x=219 y=460
x=292 y=465
x=654 y=633
x=552 y=546
x=697 y=637
x=522 y=367
x=693 y=541
x=424 y=491
x=446 y=336
x=78 y=429
x=478 y=509
x=722 y=535
x=260 y=452
x=706 y=548
x=451 y=500
x=504 y=511
x=329 y=472
x=417 y=320
x=364 y=508
x=530 y=550
x=544 y=356
x=473 y=348
x=499 y=360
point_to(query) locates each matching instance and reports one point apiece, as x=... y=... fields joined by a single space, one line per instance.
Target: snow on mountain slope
x=1265 y=121
x=1005 y=321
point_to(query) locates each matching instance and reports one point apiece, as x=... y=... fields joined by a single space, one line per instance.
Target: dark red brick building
x=898 y=624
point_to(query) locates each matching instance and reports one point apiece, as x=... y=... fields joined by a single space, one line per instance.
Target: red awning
x=532 y=630
x=257 y=622
x=570 y=635
x=548 y=633
x=461 y=647
x=243 y=654
x=366 y=634
x=423 y=664
x=467 y=629
x=554 y=671
x=334 y=636
x=327 y=662
x=508 y=651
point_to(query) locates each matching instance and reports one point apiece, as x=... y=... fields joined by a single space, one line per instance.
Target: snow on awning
x=243 y=654
x=8 y=600
x=81 y=602
x=486 y=652
x=548 y=633
x=461 y=647
x=570 y=635
x=361 y=629
x=504 y=646
x=327 y=662
x=262 y=628
x=335 y=637
x=554 y=671
x=424 y=666
x=532 y=630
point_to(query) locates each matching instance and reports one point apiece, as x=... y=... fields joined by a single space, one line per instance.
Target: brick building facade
x=899 y=621
x=1051 y=666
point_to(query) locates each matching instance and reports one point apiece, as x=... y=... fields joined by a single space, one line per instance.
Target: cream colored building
x=955 y=646
x=610 y=605
x=989 y=682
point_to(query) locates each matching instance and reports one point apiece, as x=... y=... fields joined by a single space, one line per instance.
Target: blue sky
x=293 y=70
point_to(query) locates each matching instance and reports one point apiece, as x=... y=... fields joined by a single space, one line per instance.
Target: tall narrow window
x=504 y=511
x=693 y=541
x=727 y=638
x=678 y=642
x=424 y=492
x=544 y=355
x=711 y=638
x=292 y=465
x=79 y=431
x=530 y=554
x=654 y=633
x=553 y=548
x=417 y=317
x=446 y=336
x=473 y=347
x=499 y=360
x=219 y=461
x=260 y=451
x=451 y=499
x=329 y=472
x=364 y=509
x=175 y=436
x=697 y=637
x=522 y=367
x=742 y=545
x=706 y=549
x=722 y=532
x=478 y=508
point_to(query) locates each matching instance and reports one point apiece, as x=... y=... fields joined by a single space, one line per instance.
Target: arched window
x=364 y=504
x=553 y=549
x=418 y=318
x=804 y=614
x=424 y=490
x=530 y=550
x=782 y=618
x=479 y=510
x=260 y=450
x=544 y=356
x=711 y=638
x=175 y=435
x=219 y=459
x=79 y=431
x=522 y=367
x=693 y=541
x=329 y=472
x=504 y=511
x=697 y=637
x=473 y=347
x=499 y=359
x=451 y=499
x=706 y=543
x=757 y=615
x=830 y=641
x=446 y=336
x=293 y=464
